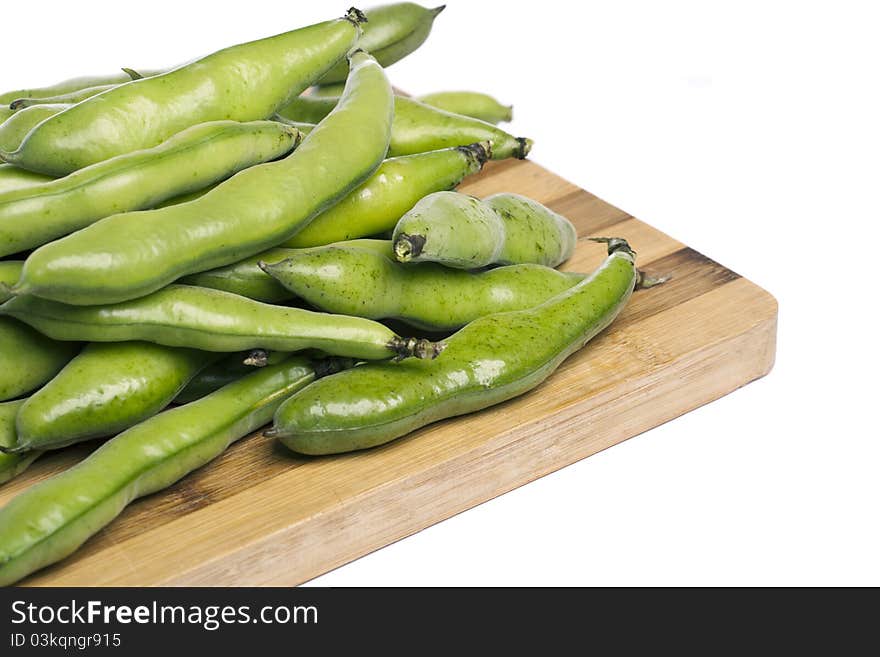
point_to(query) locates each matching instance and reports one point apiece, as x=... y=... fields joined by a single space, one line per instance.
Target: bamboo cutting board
x=259 y=515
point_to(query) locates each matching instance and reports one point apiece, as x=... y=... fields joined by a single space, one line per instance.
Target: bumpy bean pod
x=70 y=97
x=391 y=33
x=50 y=520
x=208 y=153
x=10 y=271
x=364 y=283
x=14 y=129
x=12 y=177
x=12 y=464
x=212 y=320
x=74 y=84
x=106 y=389
x=130 y=255
x=489 y=361
x=246 y=82
x=469 y=103
x=418 y=127
x=464 y=232
x=28 y=359
x=394 y=188
x=247 y=279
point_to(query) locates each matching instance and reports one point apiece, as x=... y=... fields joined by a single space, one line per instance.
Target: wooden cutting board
x=259 y=515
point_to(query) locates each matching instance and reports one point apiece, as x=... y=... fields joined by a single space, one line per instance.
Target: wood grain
x=259 y=515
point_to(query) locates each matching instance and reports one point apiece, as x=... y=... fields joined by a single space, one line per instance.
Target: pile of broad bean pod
x=189 y=255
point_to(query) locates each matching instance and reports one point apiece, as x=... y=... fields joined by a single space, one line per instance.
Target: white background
x=746 y=129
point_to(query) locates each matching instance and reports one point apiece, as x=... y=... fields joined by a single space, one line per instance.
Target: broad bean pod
x=50 y=520
x=106 y=389
x=491 y=360
x=208 y=153
x=213 y=320
x=418 y=127
x=464 y=232
x=129 y=255
x=246 y=82
x=363 y=283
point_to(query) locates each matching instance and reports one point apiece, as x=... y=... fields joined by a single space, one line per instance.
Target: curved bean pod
x=208 y=153
x=130 y=255
x=464 y=232
x=10 y=271
x=5 y=113
x=68 y=98
x=12 y=177
x=489 y=361
x=28 y=359
x=246 y=82
x=362 y=283
x=247 y=279
x=12 y=465
x=391 y=33
x=212 y=320
x=74 y=84
x=50 y=520
x=106 y=389
x=14 y=129
x=418 y=127
x=394 y=188
x=469 y=103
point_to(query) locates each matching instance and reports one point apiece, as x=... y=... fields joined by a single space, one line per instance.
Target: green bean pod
x=67 y=98
x=28 y=359
x=464 y=232
x=129 y=255
x=418 y=127
x=246 y=82
x=491 y=360
x=364 y=283
x=208 y=153
x=5 y=113
x=395 y=187
x=73 y=84
x=391 y=33
x=213 y=320
x=14 y=129
x=10 y=272
x=247 y=279
x=470 y=103
x=12 y=465
x=106 y=389
x=12 y=177
x=50 y=520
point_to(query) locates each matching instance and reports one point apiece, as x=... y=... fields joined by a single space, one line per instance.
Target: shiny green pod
x=391 y=32
x=12 y=465
x=13 y=177
x=207 y=153
x=68 y=98
x=491 y=360
x=395 y=187
x=247 y=279
x=363 y=283
x=74 y=84
x=5 y=113
x=464 y=232
x=28 y=359
x=10 y=272
x=14 y=129
x=51 y=519
x=242 y=83
x=106 y=389
x=213 y=320
x=129 y=255
x=469 y=103
x=418 y=127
